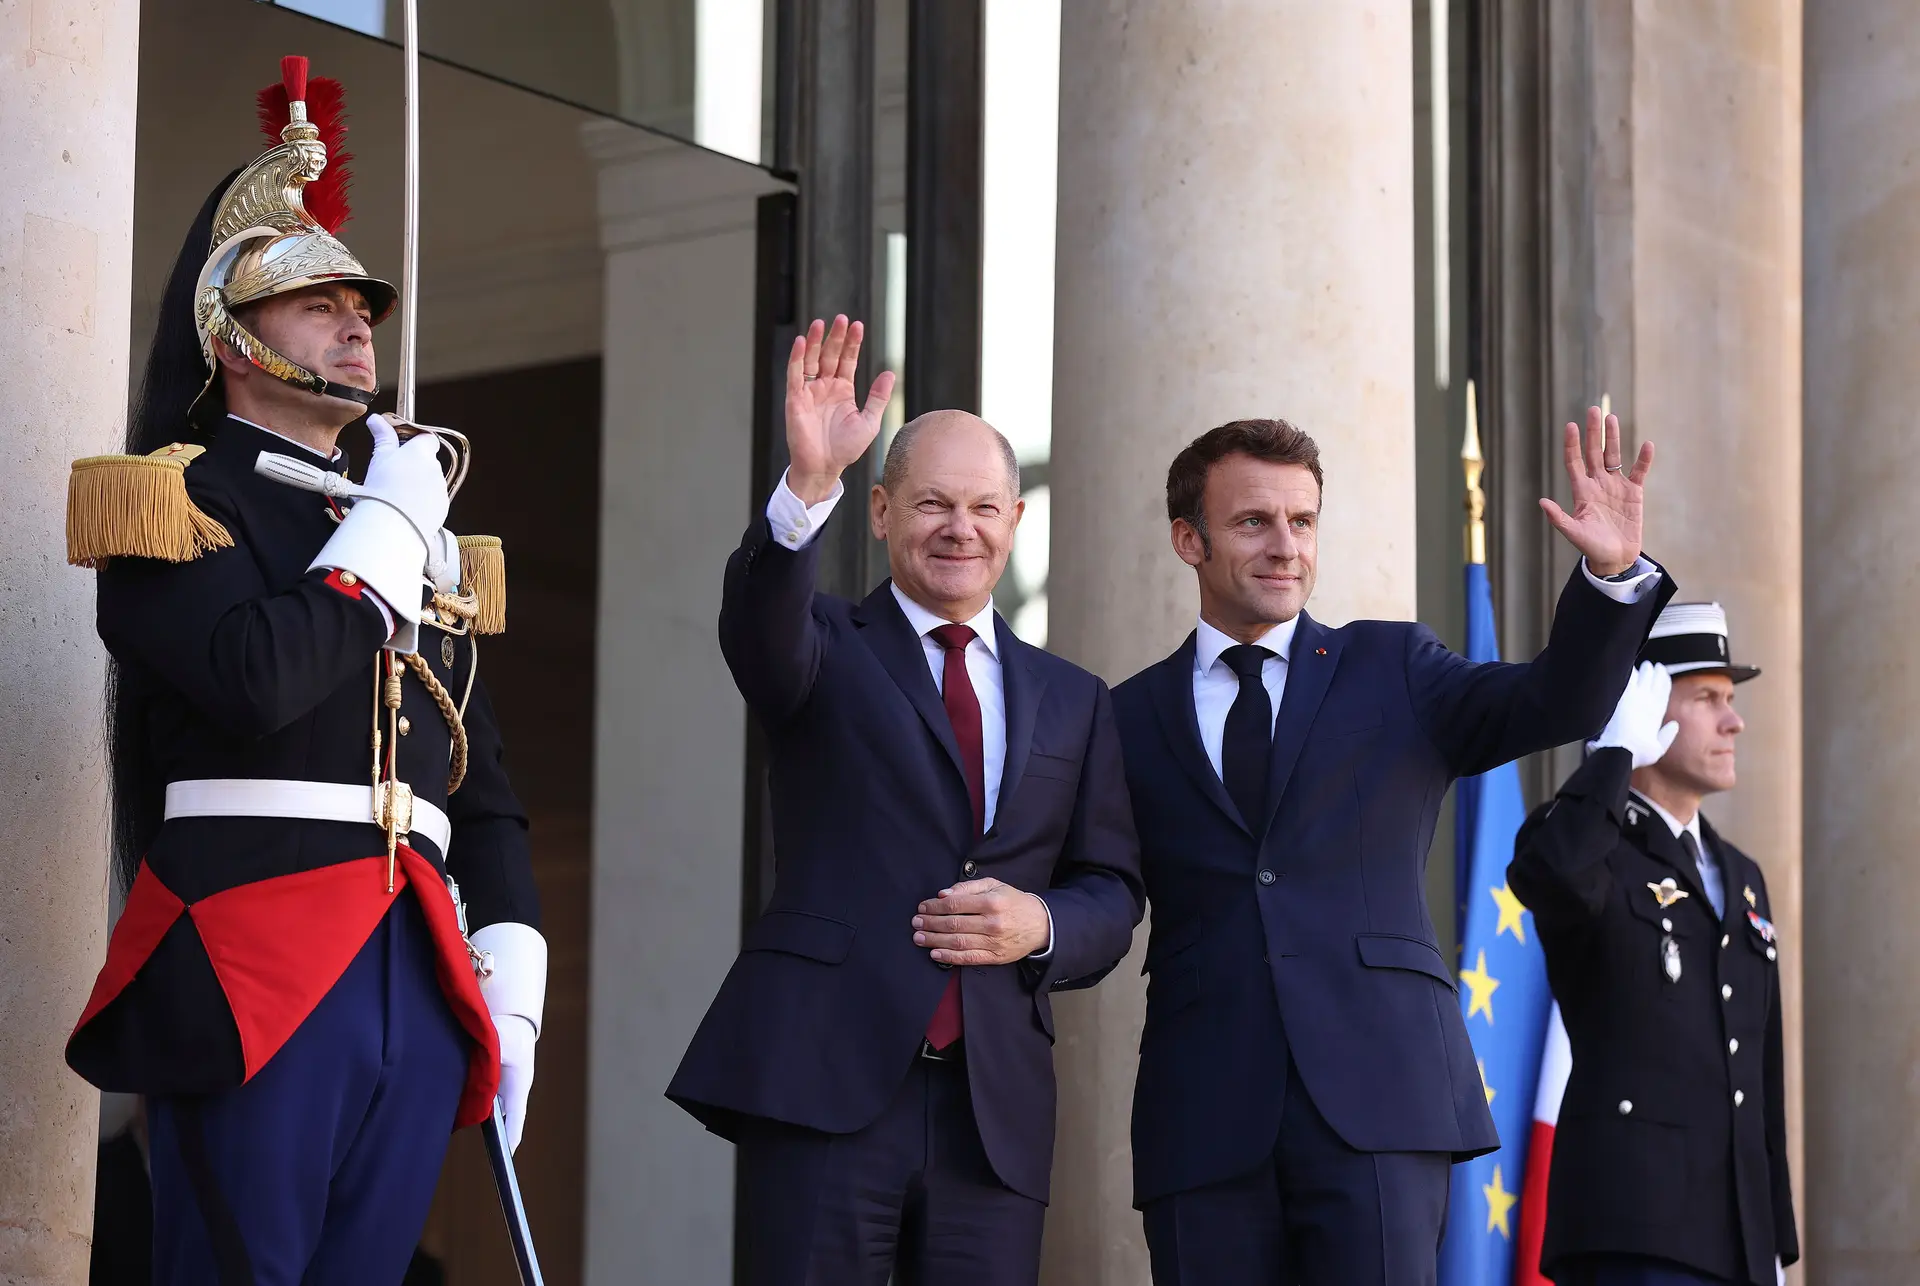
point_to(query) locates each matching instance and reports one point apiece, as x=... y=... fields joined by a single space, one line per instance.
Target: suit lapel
x=1023 y=685
x=1171 y=683
x=1310 y=665
x=885 y=629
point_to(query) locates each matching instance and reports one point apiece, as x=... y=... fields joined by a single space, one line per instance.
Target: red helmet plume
x=326 y=198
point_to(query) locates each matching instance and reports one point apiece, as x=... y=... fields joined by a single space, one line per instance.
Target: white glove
x=516 y=994
x=517 y=1037
x=443 y=561
x=386 y=537
x=407 y=477
x=1639 y=724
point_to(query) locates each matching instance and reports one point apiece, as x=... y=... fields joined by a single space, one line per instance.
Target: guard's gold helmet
x=273 y=230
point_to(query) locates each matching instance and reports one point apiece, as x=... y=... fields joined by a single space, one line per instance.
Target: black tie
x=1247 y=744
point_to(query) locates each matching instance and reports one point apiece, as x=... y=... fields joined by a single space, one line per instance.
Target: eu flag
x=1503 y=993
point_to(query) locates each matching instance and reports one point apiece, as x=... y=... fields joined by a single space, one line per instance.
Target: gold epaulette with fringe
x=136 y=506
x=483 y=573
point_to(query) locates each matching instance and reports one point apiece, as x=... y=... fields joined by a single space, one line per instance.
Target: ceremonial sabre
x=459 y=450
x=493 y=1129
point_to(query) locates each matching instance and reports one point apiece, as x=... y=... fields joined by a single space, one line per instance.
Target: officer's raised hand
x=1605 y=522
x=386 y=537
x=1639 y=724
x=827 y=432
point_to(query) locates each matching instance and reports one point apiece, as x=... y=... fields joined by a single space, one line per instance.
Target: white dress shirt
x=796 y=524
x=1710 y=878
x=1215 y=685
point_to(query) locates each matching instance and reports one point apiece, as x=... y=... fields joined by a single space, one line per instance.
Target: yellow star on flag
x=1511 y=909
x=1499 y=1205
x=1482 y=984
x=1482 y=1064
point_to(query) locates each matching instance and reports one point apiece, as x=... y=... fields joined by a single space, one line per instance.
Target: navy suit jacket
x=822 y=1014
x=1305 y=932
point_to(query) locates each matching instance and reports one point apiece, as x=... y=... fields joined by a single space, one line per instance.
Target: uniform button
x=406 y=725
x=1667 y=925
x=970 y=867
x=1739 y=1097
x=1724 y=940
x=1726 y=991
x=1733 y=1046
x=1626 y=1106
x=348 y=578
x=1268 y=877
x=1772 y=954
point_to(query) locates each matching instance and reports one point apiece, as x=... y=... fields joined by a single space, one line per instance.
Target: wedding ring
x=1615 y=468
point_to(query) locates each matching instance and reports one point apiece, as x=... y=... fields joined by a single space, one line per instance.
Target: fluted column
x=67 y=80
x=1235 y=239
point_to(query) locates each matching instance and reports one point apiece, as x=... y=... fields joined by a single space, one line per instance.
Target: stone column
x=677 y=226
x=1862 y=609
x=1235 y=239
x=1714 y=382
x=68 y=71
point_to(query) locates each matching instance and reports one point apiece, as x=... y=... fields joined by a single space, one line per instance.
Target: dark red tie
x=963 y=712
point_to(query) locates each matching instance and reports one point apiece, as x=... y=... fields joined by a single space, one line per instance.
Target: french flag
x=1556 y=1061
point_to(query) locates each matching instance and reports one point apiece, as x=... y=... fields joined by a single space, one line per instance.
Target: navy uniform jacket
x=244 y=664
x=1305 y=932
x=822 y=1015
x=1653 y=1154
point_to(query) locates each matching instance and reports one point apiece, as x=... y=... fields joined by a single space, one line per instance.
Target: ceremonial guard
x=1670 y=1160
x=304 y=760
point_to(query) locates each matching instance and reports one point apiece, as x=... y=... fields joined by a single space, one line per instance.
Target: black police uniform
x=1672 y=1140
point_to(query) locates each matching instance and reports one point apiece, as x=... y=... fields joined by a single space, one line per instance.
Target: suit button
x=1733 y=1046
x=1726 y=991
x=1268 y=877
x=1772 y=954
x=1724 y=940
x=1739 y=1097
x=942 y=964
x=1626 y=1106
x=969 y=867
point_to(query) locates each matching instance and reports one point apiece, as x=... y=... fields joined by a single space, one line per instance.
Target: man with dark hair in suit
x=953 y=845
x=1305 y=1076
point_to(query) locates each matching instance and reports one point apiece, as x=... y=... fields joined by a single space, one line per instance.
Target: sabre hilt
x=290 y=472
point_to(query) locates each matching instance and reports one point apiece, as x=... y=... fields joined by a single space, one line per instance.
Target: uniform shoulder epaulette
x=483 y=573
x=136 y=506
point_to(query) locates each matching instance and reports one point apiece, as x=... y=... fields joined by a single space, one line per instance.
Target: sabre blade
x=410 y=209
x=507 y=1184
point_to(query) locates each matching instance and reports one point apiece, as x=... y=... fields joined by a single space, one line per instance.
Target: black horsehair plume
x=175 y=373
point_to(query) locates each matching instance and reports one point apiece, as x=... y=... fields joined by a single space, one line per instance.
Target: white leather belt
x=313 y=801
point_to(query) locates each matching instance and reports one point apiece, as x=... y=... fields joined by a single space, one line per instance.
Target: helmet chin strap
x=221 y=324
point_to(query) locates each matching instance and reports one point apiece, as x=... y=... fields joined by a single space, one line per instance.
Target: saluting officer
x=301 y=756
x=1670 y=1160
